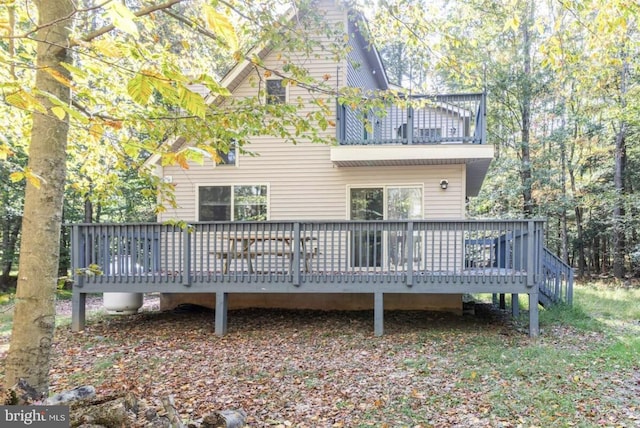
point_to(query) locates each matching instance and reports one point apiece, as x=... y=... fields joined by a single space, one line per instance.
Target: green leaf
x=122 y=18
x=166 y=89
x=75 y=71
x=72 y=112
x=131 y=150
x=140 y=89
x=192 y=102
x=195 y=155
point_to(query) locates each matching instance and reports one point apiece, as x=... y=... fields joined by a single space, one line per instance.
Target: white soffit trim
x=375 y=153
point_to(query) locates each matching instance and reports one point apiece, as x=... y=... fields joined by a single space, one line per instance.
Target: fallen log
x=225 y=419
x=172 y=413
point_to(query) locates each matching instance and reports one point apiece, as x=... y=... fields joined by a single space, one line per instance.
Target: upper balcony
x=417 y=130
x=418 y=119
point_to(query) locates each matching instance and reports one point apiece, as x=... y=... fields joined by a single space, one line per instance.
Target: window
x=228 y=158
x=276 y=91
x=232 y=203
x=430 y=133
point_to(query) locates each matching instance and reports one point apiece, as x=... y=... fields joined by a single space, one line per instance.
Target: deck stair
x=557 y=280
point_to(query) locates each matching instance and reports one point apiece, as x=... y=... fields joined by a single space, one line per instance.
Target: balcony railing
x=437 y=119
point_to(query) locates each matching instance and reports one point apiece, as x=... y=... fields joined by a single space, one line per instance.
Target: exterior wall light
x=444 y=184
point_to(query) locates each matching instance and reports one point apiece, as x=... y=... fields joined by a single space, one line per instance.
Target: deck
x=374 y=257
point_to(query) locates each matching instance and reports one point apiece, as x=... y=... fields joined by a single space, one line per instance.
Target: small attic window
x=276 y=92
x=227 y=157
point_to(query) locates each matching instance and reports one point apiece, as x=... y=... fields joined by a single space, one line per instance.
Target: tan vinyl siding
x=304 y=185
x=303 y=182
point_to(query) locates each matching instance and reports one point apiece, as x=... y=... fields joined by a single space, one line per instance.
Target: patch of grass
x=607 y=303
x=575 y=316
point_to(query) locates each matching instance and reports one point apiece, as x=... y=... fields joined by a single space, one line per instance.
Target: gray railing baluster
x=409 y=254
x=186 y=267
x=296 y=254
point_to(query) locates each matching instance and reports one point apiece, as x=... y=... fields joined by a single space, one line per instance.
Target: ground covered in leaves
x=327 y=369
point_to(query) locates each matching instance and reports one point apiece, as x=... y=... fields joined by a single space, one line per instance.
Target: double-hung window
x=276 y=91
x=232 y=203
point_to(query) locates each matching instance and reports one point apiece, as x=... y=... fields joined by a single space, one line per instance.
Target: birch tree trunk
x=34 y=316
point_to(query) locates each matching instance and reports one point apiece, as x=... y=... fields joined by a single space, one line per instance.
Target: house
x=376 y=218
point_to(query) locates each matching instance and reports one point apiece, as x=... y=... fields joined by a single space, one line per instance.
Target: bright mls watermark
x=34 y=416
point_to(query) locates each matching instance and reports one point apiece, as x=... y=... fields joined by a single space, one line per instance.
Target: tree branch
x=194 y=25
x=49 y=24
x=142 y=12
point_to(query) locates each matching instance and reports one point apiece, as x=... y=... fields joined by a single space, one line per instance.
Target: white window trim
x=232 y=185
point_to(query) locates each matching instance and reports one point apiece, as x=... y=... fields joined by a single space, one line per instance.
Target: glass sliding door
x=383 y=203
x=403 y=203
x=366 y=243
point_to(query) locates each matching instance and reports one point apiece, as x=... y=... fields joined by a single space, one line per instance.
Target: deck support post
x=378 y=314
x=221 y=313
x=78 y=310
x=515 y=305
x=534 y=326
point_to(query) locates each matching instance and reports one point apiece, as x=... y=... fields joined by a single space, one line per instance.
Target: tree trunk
x=525 y=150
x=9 y=241
x=619 y=241
x=578 y=210
x=34 y=316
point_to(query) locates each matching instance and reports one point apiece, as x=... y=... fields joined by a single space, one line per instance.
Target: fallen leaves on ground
x=327 y=369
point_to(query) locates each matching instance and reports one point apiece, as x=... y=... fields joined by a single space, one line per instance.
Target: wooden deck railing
x=340 y=251
x=378 y=257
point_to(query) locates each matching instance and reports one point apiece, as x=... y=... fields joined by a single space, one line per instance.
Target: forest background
x=92 y=88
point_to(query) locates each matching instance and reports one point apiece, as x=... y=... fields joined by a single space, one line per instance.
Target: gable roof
x=355 y=20
x=371 y=54
x=241 y=70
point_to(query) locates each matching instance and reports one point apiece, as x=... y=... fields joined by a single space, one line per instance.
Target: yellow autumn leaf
x=512 y=24
x=5 y=152
x=192 y=102
x=222 y=27
x=58 y=76
x=58 y=112
x=140 y=88
x=25 y=101
x=96 y=130
x=33 y=179
x=5 y=27
x=122 y=18
x=107 y=48
x=16 y=176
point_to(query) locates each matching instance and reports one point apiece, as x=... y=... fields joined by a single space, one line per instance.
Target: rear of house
x=373 y=218
x=417 y=161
